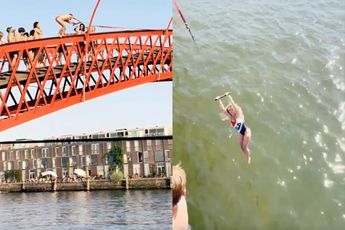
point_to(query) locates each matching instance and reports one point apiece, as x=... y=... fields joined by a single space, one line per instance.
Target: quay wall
x=142 y=183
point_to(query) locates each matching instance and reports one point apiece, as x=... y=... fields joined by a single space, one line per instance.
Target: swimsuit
x=239 y=126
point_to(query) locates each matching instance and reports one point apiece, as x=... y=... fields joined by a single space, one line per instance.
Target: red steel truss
x=41 y=76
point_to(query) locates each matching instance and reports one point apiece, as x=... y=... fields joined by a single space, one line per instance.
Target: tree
x=13 y=175
x=117 y=157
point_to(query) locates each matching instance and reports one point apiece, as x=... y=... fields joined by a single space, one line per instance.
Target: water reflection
x=149 y=209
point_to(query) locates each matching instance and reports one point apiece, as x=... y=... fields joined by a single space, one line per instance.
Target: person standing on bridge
x=38 y=30
x=235 y=115
x=11 y=37
x=11 y=34
x=2 y=38
x=62 y=20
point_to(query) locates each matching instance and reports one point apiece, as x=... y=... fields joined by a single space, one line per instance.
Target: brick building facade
x=142 y=158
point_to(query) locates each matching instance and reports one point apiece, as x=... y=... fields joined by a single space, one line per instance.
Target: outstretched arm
x=232 y=100
x=221 y=105
x=74 y=21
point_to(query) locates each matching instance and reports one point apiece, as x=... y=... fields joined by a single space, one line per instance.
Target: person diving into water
x=234 y=113
x=63 y=19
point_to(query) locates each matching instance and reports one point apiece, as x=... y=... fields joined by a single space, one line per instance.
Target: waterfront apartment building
x=145 y=157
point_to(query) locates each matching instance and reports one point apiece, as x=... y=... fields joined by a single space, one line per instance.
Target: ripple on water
x=340 y=114
x=327 y=182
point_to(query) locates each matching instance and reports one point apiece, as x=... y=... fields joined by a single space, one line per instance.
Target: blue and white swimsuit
x=239 y=126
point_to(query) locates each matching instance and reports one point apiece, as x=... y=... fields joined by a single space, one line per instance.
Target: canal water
x=284 y=63
x=141 y=209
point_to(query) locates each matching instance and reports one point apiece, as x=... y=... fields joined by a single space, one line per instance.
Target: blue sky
x=141 y=106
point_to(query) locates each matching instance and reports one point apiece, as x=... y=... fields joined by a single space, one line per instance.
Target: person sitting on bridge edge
x=63 y=19
x=20 y=35
x=81 y=29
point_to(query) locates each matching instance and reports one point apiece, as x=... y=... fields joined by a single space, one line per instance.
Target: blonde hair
x=178 y=184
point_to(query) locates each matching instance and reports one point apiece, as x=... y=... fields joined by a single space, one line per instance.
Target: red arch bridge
x=42 y=76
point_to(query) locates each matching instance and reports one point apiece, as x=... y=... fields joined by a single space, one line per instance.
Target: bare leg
x=13 y=61
x=245 y=144
x=62 y=31
x=245 y=152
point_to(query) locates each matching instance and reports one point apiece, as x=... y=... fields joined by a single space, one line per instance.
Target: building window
x=32 y=174
x=44 y=163
x=108 y=146
x=146 y=157
x=83 y=161
x=128 y=146
x=53 y=163
x=26 y=154
x=93 y=159
x=159 y=156
x=136 y=145
x=9 y=166
x=149 y=145
x=17 y=155
x=64 y=151
x=158 y=145
x=95 y=149
x=160 y=132
x=32 y=154
x=45 y=152
x=140 y=157
x=170 y=142
x=80 y=149
x=64 y=162
x=3 y=155
x=34 y=164
x=161 y=169
x=73 y=150
x=153 y=132
x=5 y=166
x=74 y=161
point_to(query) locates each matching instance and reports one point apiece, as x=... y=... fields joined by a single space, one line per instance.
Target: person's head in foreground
x=180 y=213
